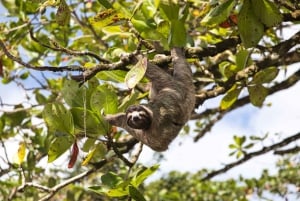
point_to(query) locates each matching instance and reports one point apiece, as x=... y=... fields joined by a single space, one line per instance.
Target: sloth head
x=138 y=117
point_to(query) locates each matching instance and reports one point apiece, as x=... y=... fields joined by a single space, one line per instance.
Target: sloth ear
x=139 y=117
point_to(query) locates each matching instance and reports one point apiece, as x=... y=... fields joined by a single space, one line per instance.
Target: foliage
x=76 y=61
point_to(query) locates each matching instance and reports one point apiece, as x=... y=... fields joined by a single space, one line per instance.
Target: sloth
x=170 y=105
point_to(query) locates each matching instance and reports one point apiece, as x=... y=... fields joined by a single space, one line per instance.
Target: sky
x=212 y=150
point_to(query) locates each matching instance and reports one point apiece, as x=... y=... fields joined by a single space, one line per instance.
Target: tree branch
x=40 y=68
x=251 y=155
x=287 y=83
x=57 y=47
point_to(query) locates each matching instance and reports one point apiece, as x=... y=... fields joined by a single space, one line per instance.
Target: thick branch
x=251 y=155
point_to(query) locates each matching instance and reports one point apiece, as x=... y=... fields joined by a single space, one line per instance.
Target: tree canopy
x=71 y=62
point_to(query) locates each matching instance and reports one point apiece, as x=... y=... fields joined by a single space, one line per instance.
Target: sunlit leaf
x=59 y=146
x=88 y=157
x=230 y=97
x=107 y=17
x=250 y=27
x=136 y=73
x=21 y=152
x=114 y=75
x=128 y=100
x=143 y=174
x=239 y=140
x=257 y=94
x=218 y=14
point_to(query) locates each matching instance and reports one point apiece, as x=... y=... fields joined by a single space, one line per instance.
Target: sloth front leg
x=136 y=117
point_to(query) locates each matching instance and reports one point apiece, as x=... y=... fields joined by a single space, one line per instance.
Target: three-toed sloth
x=171 y=103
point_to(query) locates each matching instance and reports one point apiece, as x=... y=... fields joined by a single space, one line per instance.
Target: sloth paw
x=138 y=117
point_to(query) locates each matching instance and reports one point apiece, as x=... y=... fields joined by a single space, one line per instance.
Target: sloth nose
x=136 y=118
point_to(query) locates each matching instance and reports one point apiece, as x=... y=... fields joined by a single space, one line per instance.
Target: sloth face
x=138 y=117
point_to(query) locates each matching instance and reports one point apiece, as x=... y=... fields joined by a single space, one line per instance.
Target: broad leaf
x=136 y=194
x=128 y=100
x=104 y=98
x=218 y=14
x=257 y=94
x=230 y=97
x=63 y=13
x=21 y=152
x=58 y=118
x=143 y=174
x=86 y=119
x=59 y=146
x=265 y=76
x=72 y=93
x=267 y=12
x=136 y=73
x=106 y=17
x=114 y=75
x=177 y=37
x=250 y=27
x=111 y=180
x=242 y=59
x=170 y=9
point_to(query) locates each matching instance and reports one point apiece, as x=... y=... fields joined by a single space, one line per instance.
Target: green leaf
x=218 y=14
x=265 y=76
x=107 y=17
x=239 y=140
x=58 y=118
x=232 y=146
x=267 y=12
x=88 y=144
x=170 y=9
x=136 y=73
x=250 y=27
x=114 y=75
x=86 y=119
x=143 y=174
x=177 y=37
x=111 y=179
x=72 y=93
x=40 y=98
x=136 y=194
x=230 y=97
x=63 y=13
x=105 y=3
x=104 y=98
x=248 y=146
x=257 y=94
x=242 y=59
x=59 y=146
x=21 y=152
x=128 y=100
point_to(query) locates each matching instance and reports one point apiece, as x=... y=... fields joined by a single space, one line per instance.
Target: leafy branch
x=248 y=156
